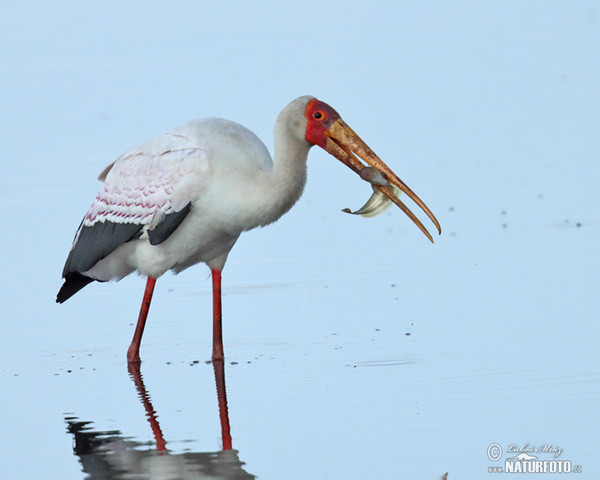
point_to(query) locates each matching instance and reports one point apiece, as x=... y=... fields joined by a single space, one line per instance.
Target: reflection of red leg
x=219 y=367
x=133 y=354
x=217 y=353
x=136 y=376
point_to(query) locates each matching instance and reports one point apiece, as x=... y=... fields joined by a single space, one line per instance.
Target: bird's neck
x=288 y=177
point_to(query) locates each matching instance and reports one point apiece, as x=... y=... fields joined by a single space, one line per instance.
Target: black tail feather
x=74 y=281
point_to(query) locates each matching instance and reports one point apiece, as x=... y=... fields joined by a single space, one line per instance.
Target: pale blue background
x=490 y=111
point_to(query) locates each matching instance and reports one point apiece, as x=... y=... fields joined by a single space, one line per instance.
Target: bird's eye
x=318 y=115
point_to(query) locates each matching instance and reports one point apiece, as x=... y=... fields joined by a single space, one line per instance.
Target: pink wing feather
x=143 y=188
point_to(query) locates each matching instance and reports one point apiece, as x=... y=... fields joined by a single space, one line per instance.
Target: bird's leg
x=133 y=354
x=217 y=353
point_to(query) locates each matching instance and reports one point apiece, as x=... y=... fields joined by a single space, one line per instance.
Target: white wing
x=148 y=189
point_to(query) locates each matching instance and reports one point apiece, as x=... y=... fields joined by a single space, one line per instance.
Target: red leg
x=217 y=353
x=133 y=354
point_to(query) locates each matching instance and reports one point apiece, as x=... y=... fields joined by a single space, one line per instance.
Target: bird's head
x=326 y=129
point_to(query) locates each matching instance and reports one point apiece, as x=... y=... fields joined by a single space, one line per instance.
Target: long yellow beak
x=343 y=143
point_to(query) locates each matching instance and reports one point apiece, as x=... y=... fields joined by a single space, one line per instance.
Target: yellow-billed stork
x=184 y=197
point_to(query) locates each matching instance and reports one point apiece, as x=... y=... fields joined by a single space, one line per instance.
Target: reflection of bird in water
x=110 y=455
x=185 y=197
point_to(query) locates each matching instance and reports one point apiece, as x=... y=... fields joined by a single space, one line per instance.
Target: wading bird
x=184 y=197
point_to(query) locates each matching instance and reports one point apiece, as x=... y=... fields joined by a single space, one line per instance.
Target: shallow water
x=354 y=348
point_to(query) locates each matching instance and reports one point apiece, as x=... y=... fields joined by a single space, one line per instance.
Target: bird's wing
x=148 y=190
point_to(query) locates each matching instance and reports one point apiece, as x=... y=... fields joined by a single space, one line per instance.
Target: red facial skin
x=320 y=117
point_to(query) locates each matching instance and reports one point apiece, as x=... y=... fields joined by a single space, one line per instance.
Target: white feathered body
x=217 y=167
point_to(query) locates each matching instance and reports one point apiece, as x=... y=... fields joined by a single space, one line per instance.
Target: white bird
x=184 y=197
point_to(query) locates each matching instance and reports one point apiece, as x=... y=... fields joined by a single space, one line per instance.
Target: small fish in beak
x=377 y=202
